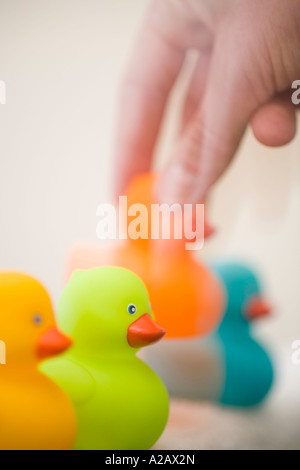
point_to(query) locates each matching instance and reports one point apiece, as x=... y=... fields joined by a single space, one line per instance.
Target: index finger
x=152 y=71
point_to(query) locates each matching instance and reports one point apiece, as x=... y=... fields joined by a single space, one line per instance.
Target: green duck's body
x=119 y=401
x=122 y=403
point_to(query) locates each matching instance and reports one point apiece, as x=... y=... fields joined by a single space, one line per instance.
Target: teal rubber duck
x=247 y=364
x=119 y=401
x=230 y=367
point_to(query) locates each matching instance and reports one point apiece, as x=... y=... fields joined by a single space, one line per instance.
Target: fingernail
x=179 y=184
x=209 y=230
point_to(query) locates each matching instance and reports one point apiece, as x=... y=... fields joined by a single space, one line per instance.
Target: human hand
x=248 y=57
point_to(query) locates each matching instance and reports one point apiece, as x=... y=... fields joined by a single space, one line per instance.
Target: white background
x=62 y=61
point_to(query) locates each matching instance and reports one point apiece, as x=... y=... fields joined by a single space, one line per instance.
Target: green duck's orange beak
x=144 y=331
x=52 y=342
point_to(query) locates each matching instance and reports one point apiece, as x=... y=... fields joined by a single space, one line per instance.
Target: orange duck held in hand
x=35 y=414
x=187 y=298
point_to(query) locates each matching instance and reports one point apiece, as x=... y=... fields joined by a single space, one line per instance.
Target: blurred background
x=62 y=62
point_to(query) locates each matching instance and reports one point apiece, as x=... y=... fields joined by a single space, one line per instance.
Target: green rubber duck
x=119 y=401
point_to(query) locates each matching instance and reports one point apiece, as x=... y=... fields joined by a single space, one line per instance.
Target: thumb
x=213 y=135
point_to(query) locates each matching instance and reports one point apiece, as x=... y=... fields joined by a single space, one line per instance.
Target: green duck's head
x=107 y=309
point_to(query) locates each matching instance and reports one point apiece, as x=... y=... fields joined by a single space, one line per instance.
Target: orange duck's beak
x=52 y=342
x=144 y=331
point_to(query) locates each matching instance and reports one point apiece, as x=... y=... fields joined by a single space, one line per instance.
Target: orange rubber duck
x=35 y=414
x=187 y=297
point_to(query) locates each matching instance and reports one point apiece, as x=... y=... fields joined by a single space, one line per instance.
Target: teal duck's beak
x=257 y=308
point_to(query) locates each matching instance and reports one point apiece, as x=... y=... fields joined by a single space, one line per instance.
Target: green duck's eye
x=37 y=319
x=131 y=309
